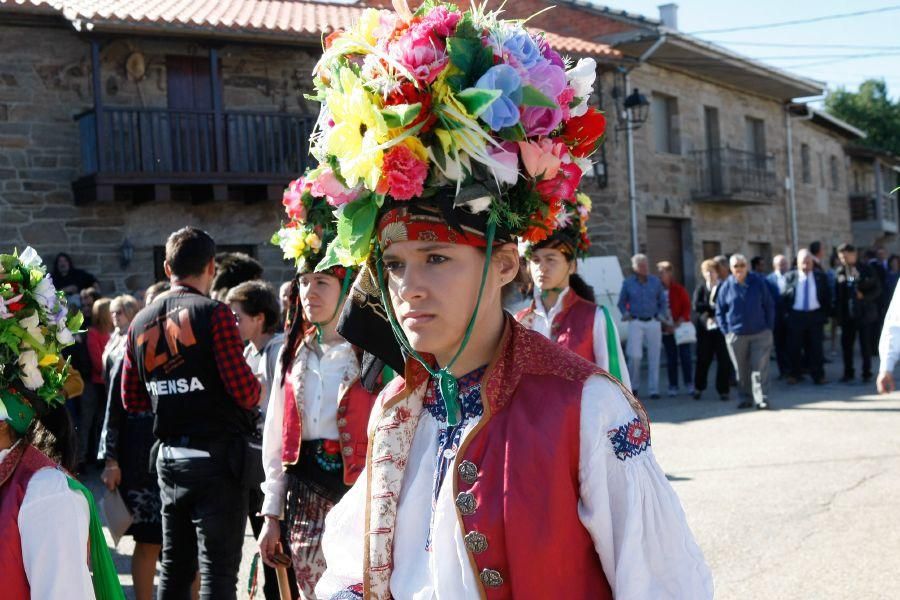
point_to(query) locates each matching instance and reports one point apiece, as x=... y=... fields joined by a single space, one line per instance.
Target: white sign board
x=604 y=274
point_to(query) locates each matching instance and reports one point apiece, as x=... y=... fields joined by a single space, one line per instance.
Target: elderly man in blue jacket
x=745 y=313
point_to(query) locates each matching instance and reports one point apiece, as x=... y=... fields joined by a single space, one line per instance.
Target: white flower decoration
x=32 y=325
x=30 y=258
x=31 y=373
x=581 y=77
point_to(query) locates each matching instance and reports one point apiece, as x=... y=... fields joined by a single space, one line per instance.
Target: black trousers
x=850 y=329
x=204 y=513
x=805 y=338
x=782 y=356
x=711 y=344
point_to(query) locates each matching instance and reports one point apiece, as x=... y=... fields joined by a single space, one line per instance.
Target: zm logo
x=175 y=329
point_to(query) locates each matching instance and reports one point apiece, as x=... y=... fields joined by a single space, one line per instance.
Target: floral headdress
x=439 y=118
x=34 y=328
x=416 y=102
x=571 y=234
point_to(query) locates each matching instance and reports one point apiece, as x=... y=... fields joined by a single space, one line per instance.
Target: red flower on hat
x=293 y=199
x=403 y=173
x=543 y=222
x=408 y=93
x=583 y=134
x=563 y=186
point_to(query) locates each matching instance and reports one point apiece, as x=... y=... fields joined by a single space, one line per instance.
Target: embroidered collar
x=469 y=396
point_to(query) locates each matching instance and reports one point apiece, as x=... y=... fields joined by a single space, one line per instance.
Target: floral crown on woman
x=414 y=102
x=34 y=328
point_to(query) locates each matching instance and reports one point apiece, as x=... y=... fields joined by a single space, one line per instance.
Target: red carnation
x=403 y=173
x=563 y=186
x=331 y=447
x=408 y=93
x=15 y=306
x=583 y=134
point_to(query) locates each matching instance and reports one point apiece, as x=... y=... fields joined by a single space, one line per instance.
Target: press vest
x=172 y=340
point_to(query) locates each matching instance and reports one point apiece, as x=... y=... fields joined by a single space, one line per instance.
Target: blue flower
x=523 y=51
x=504 y=111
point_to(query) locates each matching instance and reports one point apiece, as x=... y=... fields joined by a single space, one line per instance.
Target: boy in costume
x=500 y=465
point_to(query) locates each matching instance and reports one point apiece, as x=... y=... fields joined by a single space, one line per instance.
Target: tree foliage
x=869 y=109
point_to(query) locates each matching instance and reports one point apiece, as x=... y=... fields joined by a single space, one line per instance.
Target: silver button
x=468 y=472
x=345 y=437
x=466 y=503
x=476 y=542
x=342 y=422
x=491 y=578
x=347 y=451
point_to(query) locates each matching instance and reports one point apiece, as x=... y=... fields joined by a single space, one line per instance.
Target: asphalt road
x=801 y=502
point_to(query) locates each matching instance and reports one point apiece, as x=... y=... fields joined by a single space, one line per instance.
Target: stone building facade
x=46 y=82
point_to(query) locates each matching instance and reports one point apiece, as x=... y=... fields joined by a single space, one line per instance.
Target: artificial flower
x=583 y=134
x=504 y=111
x=32 y=325
x=551 y=81
x=326 y=185
x=408 y=93
x=506 y=171
x=581 y=78
x=421 y=48
x=45 y=293
x=30 y=372
x=404 y=173
x=563 y=186
x=542 y=157
x=293 y=199
x=522 y=51
x=30 y=258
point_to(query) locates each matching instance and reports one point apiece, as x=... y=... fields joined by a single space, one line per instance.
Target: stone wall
x=664 y=181
x=45 y=80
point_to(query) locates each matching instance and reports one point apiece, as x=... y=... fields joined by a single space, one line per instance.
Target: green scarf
x=612 y=348
x=104 y=575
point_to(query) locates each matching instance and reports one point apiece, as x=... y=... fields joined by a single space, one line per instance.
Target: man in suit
x=777 y=286
x=858 y=297
x=807 y=298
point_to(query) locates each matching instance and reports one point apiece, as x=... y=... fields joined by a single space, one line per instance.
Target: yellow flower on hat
x=358 y=132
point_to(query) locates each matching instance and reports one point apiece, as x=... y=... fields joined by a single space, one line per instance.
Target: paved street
x=796 y=503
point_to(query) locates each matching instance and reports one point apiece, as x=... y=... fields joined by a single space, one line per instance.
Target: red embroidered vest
x=515 y=478
x=573 y=327
x=16 y=471
x=353 y=411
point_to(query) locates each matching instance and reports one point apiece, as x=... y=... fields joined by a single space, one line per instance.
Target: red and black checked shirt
x=240 y=382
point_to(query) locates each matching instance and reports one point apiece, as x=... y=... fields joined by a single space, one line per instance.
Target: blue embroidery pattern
x=630 y=439
x=449 y=437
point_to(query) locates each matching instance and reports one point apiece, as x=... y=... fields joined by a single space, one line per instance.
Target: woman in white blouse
x=314 y=436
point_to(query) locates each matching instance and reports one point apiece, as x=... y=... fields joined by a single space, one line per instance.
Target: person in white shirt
x=807 y=297
x=889 y=346
x=314 y=437
x=258 y=314
x=777 y=278
x=564 y=307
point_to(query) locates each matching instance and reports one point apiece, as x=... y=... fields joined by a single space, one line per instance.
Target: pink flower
x=506 y=155
x=564 y=99
x=335 y=193
x=563 y=186
x=293 y=199
x=404 y=173
x=551 y=81
x=542 y=158
x=421 y=48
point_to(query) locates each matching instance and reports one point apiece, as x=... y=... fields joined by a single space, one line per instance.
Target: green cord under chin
x=548 y=291
x=345 y=285
x=447 y=383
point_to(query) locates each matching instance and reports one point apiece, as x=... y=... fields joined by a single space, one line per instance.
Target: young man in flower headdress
x=497 y=448
x=50 y=533
x=563 y=307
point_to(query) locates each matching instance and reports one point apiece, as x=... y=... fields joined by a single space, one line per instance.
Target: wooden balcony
x=730 y=176
x=153 y=153
x=874 y=213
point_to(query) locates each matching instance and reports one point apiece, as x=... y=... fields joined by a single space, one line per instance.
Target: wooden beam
x=97 y=87
x=219 y=130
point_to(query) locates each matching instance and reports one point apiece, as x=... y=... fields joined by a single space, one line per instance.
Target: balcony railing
x=150 y=143
x=874 y=211
x=733 y=176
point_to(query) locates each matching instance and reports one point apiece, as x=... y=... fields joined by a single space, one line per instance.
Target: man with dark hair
x=858 y=297
x=817 y=250
x=184 y=361
x=232 y=269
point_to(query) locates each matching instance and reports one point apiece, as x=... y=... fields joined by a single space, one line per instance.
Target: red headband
x=400 y=225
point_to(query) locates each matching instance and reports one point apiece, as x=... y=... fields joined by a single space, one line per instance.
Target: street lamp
x=636 y=108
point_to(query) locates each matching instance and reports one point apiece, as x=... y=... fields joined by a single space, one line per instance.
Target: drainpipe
x=629 y=142
x=789 y=184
